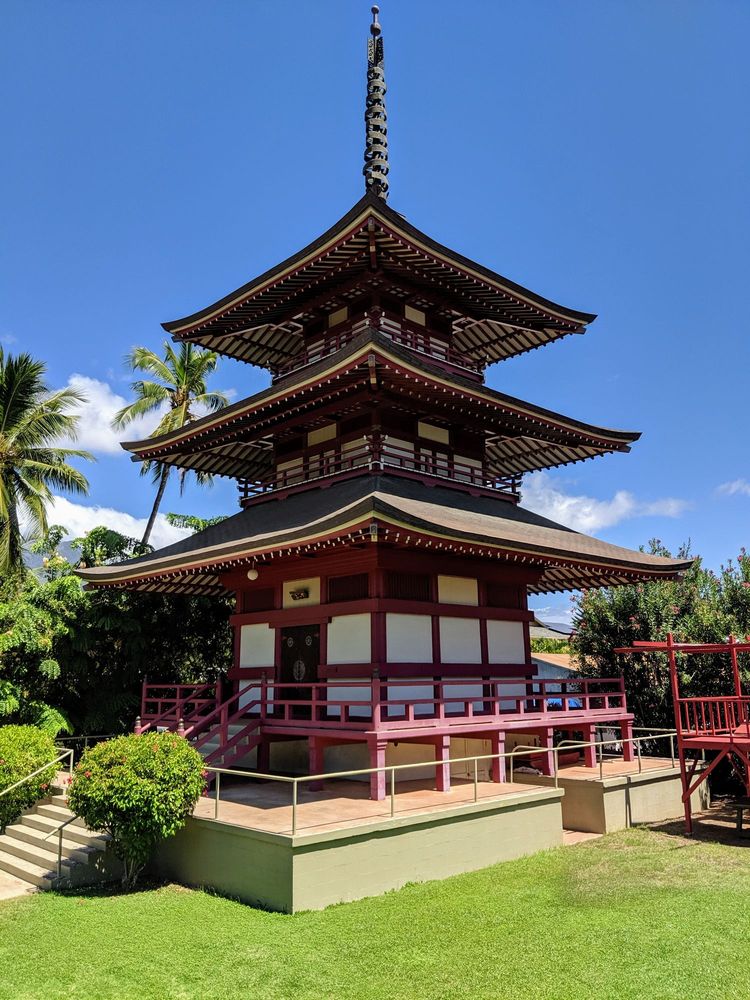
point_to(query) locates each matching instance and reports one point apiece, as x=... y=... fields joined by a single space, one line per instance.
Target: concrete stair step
x=61 y=813
x=33 y=873
x=29 y=848
x=43 y=855
x=49 y=840
x=73 y=832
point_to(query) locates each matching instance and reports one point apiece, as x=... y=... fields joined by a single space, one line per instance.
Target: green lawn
x=634 y=915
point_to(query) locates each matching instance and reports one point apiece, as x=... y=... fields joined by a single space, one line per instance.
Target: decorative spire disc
x=376 y=128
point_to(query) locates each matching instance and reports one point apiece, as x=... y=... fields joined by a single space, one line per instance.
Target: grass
x=638 y=914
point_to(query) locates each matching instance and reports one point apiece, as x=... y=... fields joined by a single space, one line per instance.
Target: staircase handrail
x=200 y=724
x=59 y=831
x=28 y=777
x=232 y=742
x=170 y=713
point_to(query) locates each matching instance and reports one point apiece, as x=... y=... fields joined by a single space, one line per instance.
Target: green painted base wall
x=309 y=872
x=615 y=803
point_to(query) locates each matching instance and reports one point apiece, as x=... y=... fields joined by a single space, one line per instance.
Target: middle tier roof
x=520 y=436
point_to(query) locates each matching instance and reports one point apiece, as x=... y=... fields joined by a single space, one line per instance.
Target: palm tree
x=32 y=420
x=179 y=381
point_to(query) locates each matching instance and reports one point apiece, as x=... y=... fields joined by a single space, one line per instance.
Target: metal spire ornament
x=376 y=128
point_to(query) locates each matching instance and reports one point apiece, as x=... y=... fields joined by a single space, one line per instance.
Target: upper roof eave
x=372 y=205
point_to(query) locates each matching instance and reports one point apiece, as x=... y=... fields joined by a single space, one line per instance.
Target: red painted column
x=377 y=750
x=497 y=766
x=589 y=753
x=443 y=771
x=315 y=756
x=547 y=765
x=628 y=749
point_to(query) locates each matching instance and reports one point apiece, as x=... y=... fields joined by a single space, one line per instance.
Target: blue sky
x=159 y=154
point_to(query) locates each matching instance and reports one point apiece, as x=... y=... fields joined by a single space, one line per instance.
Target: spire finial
x=376 y=129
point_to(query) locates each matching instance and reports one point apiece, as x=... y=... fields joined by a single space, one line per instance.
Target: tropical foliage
x=23 y=750
x=702 y=606
x=74 y=660
x=33 y=421
x=139 y=789
x=178 y=386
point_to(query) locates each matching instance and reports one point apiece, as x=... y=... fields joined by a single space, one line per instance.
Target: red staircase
x=196 y=713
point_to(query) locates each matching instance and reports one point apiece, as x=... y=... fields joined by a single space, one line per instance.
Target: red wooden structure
x=717 y=724
x=378 y=712
x=381 y=561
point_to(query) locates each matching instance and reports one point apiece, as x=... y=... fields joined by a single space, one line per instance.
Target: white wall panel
x=460 y=640
x=408 y=638
x=257 y=645
x=505 y=642
x=349 y=639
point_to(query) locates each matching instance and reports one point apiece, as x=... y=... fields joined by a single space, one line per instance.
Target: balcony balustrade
x=384 y=703
x=723 y=717
x=400 y=331
x=377 y=454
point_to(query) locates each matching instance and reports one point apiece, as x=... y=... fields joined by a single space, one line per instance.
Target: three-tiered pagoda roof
x=377 y=427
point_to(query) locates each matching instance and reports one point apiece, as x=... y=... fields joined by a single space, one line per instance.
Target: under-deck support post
x=443 y=769
x=546 y=743
x=589 y=753
x=264 y=756
x=497 y=764
x=315 y=756
x=377 y=750
x=628 y=748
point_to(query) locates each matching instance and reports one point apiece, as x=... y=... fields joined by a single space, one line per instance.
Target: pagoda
x=381 y=560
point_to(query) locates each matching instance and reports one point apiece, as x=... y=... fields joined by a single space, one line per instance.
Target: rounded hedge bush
x=24 y=749
x=139 y=789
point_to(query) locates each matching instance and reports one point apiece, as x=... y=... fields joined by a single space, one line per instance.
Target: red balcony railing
x=388 y=704
x=376 y=455
x=718 y=717
x=400 y=331
x=165 y=704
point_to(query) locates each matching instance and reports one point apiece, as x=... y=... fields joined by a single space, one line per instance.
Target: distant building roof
x=554 y=630
x=563 y=661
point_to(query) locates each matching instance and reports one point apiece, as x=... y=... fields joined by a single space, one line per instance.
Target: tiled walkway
x=341 y=804
x=615 y=767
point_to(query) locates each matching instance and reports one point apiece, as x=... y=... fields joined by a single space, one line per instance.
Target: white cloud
x=95 y=431
x=77 y=519
x=555 y=614
x=96 y=414
x=737 y=487
x=7 y=339
x=587 y=514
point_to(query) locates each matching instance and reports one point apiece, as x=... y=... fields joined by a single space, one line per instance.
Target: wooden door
x=300 y=658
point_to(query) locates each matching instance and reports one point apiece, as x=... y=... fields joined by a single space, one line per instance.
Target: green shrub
x=140 y=789
x=23 y=749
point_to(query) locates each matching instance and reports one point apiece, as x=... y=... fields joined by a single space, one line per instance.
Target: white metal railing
x=66 y=754
x=391 y=769
x=50 y=763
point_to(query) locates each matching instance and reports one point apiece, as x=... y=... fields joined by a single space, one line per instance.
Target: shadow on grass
x=716 y=824
x=105 y=890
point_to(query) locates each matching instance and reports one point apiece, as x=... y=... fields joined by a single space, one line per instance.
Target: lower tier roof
x=390 y=510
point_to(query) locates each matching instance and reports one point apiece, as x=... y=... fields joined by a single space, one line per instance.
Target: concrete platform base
x=310 y=871
x=619 y=800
